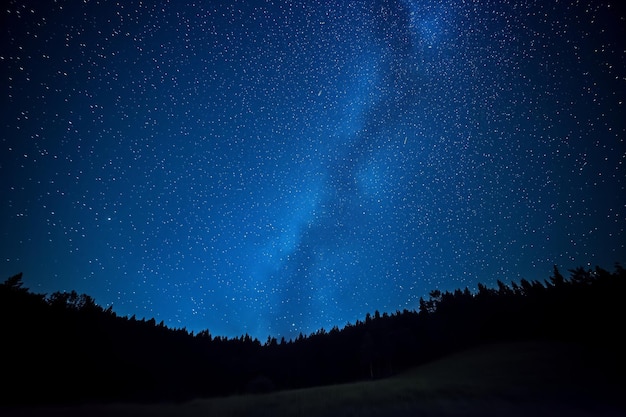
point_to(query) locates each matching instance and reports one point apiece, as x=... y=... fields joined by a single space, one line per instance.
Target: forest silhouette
x=66 y=349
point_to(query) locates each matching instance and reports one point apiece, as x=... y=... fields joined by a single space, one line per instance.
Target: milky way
x=273 y=168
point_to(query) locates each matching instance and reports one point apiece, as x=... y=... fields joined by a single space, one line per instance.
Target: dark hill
x=64 y=349
x=503 y=379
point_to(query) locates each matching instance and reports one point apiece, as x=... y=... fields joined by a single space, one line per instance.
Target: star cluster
x=275 y=167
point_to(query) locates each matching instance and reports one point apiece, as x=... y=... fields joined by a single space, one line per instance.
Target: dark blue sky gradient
x=273 y=168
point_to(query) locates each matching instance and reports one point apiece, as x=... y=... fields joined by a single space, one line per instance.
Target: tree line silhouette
x=64 y=348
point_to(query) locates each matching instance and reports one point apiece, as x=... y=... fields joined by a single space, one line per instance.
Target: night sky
x=271 y=168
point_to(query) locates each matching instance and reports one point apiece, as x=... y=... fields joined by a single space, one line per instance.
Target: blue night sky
x=275 y=167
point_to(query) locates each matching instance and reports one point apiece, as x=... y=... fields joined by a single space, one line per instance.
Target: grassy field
x=520 y=379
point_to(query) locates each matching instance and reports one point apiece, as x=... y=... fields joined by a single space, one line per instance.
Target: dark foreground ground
x=533 y=379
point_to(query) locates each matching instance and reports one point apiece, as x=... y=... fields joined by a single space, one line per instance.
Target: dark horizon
x=428 y=302
x=66 y=350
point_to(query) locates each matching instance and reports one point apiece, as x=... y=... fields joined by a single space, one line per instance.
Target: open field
x=517 y=379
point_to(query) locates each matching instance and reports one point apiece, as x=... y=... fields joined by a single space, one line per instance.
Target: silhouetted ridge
x=64 y=348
